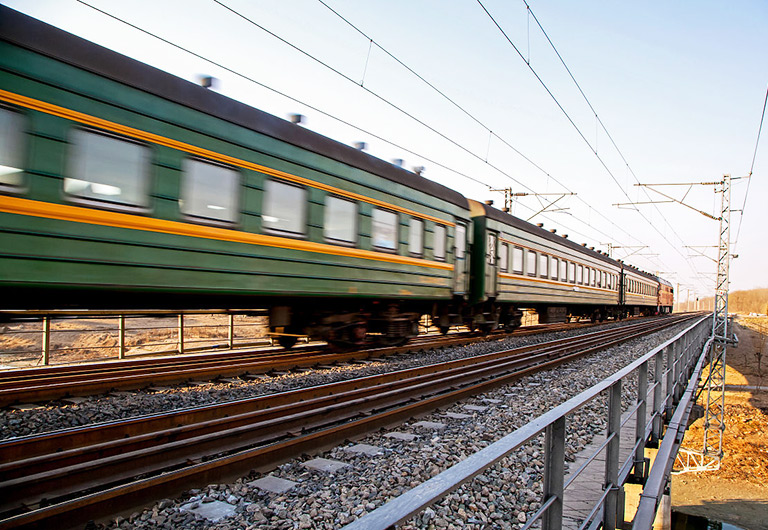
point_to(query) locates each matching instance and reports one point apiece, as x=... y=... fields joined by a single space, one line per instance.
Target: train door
x=491 y=261
x=460 y=277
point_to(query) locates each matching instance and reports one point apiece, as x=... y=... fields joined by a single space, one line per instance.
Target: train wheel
x=287 y=341
x=444 y=329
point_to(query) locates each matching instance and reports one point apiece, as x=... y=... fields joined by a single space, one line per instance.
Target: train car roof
x=35 y=35
x=511 y=220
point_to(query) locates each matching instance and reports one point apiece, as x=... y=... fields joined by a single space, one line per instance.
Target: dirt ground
x=738 y=492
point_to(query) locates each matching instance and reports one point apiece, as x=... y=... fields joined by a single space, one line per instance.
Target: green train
x=122 y=186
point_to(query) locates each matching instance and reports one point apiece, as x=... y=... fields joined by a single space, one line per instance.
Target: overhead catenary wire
x=751 y=167
x=410 y=115
x=282 y=94
x=581 y=134
x=491 y=133
x=372 y=93
x=597 y=117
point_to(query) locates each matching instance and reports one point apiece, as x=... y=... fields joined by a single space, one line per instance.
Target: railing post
x=121 y=338
x=679 y=354
x=612 y=457
x=181 y=332
x=231 y=334
x=670 y=386
x=46 y=340
x=658 y=379
x=639 y=471
x=554 y=471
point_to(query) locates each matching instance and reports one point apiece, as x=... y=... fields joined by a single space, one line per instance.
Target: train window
x=597 y=278
x=284 y=207
x=604 y=279
x=571 y=272
x=530 y=266
x=553 y=268
x=11 y=147
x=461 y=240
x=416 y=237
x=504 y=257
x=517 y=260
x=592 y=277
x=579 y=273
x=384 y=229
x=340 y=220
x=563 y=271
x=109 y=169
x=439 y=243
x=543 y=265
x=209 y=191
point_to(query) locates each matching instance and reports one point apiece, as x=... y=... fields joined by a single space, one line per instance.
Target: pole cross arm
x=680 y=201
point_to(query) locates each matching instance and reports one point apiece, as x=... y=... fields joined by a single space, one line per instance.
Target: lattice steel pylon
x=711 y=454
x=714 y=414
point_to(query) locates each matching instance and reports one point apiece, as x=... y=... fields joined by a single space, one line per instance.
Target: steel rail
x=24 y=454
x=340 y=417
x=54 y=382
x=71 y=438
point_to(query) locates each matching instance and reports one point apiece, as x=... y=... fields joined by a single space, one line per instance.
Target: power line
x=578 y=130
x=597 y=117
x=283 y=94
x=470 y=115
x=381 y=98
x=374 y=94
x=751 y=168
x=421 y=122
x=440 y=92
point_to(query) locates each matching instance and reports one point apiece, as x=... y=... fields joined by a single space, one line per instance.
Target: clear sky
x=679 y=86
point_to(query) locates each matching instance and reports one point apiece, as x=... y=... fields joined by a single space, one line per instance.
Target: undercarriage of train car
x=385 y=323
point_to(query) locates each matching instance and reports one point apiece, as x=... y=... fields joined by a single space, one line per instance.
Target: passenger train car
x=122 y=186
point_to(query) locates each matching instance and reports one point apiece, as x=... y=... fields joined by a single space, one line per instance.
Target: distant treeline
x=752 y=301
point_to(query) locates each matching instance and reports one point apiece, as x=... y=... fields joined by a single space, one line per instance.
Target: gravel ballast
x=504 y=496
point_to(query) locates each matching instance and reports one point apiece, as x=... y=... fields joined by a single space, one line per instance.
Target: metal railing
x=659 y=389
x=42 y=338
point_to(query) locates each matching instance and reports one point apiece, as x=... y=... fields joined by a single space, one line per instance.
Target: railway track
x=48 y=383
x=69 y=477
